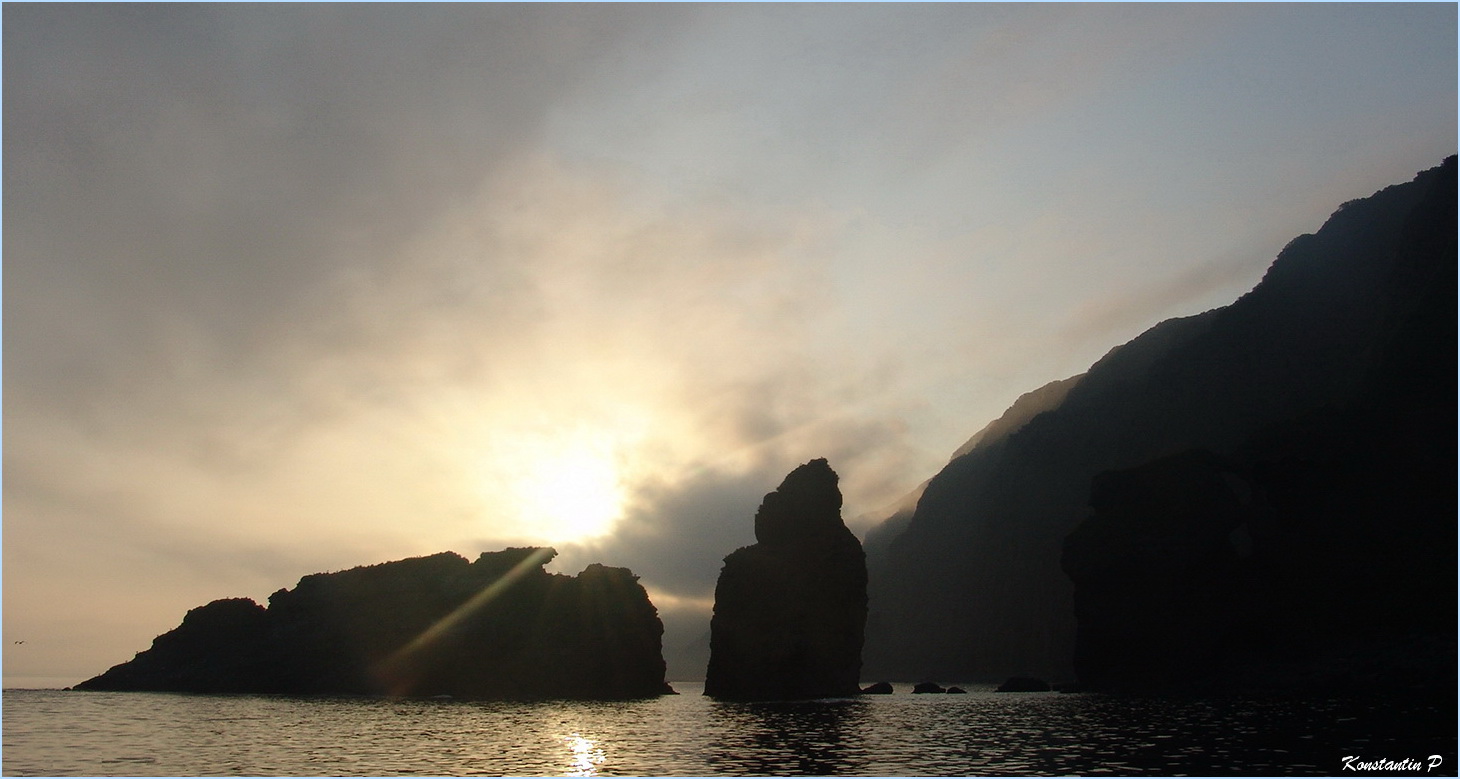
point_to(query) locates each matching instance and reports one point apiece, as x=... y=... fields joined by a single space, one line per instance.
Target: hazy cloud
x=299 y=287
x=1133 y=312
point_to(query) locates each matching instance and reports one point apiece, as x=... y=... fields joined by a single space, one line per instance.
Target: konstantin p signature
x=1387 y=765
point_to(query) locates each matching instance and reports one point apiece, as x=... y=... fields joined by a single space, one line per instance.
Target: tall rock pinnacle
x=790 y=610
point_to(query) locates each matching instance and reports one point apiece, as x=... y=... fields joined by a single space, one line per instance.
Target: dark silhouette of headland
x=1319 y=553
x=1261 y=496
x=790 y=609
x=497 y=628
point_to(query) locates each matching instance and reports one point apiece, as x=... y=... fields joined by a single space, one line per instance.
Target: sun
x=552 y=485
x=571 y=496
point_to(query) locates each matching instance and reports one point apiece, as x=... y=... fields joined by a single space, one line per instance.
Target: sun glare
x=572 y=496
x=558 y=487
x=587 y=755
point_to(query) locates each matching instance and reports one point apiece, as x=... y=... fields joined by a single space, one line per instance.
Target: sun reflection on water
x=587 y=755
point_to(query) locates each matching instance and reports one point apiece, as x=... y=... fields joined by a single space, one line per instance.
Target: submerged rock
x=500 y=627
x=790 y=610
x=1023 y=684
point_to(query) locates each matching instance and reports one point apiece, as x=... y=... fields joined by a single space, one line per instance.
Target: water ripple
x=152 y=734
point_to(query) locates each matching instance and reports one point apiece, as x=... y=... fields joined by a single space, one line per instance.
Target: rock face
x=790 y=609
x=499 y=627
x=973 y=587
x=1320 y=554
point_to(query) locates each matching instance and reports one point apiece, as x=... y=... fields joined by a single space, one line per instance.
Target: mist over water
x=161 y=734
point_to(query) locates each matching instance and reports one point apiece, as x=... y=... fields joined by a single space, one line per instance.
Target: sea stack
x=790 y=609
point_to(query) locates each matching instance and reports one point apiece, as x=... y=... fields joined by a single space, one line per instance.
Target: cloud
x=228 y=366
x=295 y=287
x=1135 y=309
x=210 y=178
x=677 y=529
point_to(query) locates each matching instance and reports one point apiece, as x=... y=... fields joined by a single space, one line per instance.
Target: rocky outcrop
x=880 y=688
x=790 y=610
x=973 y=588
x=1155 y=569
x=499 y=627
x=1314 y=559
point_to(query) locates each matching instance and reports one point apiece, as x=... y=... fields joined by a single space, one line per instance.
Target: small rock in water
x=880 y=688
x=927 y=687
x=1023 y=684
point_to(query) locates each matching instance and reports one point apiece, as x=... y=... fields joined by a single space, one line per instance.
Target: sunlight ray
x=395 y=670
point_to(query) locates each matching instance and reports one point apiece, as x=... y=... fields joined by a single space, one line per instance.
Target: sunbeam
x=396 y=674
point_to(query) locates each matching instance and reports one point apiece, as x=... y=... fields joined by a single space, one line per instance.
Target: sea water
x=63 y=733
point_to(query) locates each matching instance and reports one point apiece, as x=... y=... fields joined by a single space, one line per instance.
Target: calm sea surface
x=157 y=734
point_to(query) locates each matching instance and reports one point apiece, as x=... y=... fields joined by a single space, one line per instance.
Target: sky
x=296 y=288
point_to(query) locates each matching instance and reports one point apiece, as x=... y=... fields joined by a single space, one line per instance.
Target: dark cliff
x=499 y=627
x=891 y=522
x=790 y=609
x=973 y=587
x=1318 y=554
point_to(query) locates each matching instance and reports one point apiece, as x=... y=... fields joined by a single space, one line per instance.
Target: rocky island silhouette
x=789 y=617
x=497 y=628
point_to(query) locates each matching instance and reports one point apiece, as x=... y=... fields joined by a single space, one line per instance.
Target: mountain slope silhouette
x=972 y=588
